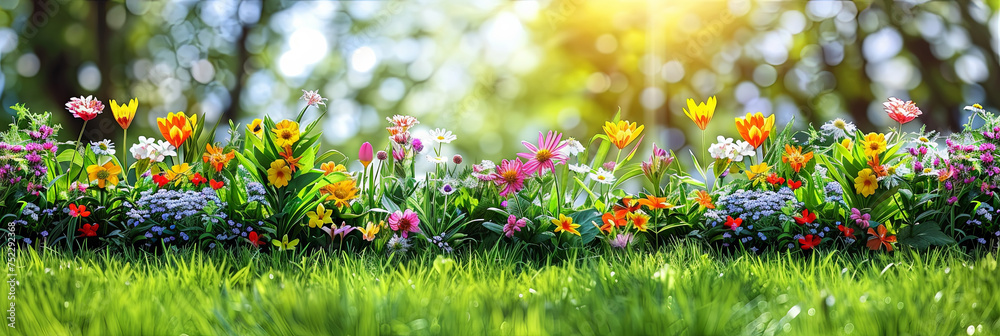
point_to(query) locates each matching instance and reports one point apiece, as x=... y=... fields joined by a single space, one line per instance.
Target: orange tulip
x=176 y=127
x=754 y=128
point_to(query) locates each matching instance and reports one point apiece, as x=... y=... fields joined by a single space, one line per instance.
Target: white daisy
x=441 y=135
x=572 y=148
x=928 y=139
x=602 y=176
x=579 y=168
x=839 y=128
x=436 y=159
x=103 y=147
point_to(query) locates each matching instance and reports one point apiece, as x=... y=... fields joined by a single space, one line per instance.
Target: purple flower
x=621 y=241
x=859 y=218
x=418 y=146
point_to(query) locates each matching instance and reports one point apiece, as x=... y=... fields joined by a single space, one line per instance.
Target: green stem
x=73 y=160
x=125 y=155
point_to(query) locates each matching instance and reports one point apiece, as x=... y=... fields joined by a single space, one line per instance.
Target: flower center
x=543 y=155
x=103 y=175
x=839 y=124
x=286 y=134
x=510 y=176
x=440 y=137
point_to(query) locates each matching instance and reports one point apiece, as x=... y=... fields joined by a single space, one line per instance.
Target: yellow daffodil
x=370 y=230
x=256 y=127
x=757 y=170
x=622 y=133
x=104 y=174
x=279 y=173
x=702 y=113
x=177 y=172
x=320 y=217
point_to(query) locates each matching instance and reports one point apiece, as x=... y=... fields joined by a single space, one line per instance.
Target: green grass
x=677 y=290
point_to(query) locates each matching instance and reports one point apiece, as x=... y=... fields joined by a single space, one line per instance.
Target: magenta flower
x=85 y=108
x=545 y=155
x=621 y=241
x=365 y=154
x=513 y=225
x=510 y=177
x=860 y=219
x=313 y=98
x=405 y=222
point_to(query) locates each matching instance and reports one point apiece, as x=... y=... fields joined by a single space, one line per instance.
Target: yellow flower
x=286 y=133
x=874 y=144
x=125 y=113
x=639 y=220
x=565 y=224
x=332 y=167
x=757 y=170
x=104 y=174
x=866 y=183
x=284 y=244
x=846 y=143
x=754 y=128
x=256 y=127
x=702 y=113
x=341 y=193
x=177 y=171
x=320 y=217
x=622 y=133
x=370 y=230
x=279 y=173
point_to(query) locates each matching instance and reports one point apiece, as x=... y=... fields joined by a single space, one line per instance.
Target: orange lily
x=881 y=238
x=794 y=157
x=214 y=157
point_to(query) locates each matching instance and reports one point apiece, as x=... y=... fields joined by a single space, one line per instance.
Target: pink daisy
x=509 y=177
x=900 y=111
x=545 y=155
x=85 y=108
x=405 y=221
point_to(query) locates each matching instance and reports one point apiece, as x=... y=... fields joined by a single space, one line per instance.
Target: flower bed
x=270 y=185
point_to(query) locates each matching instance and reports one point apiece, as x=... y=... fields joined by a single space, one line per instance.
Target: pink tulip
x=365 y=154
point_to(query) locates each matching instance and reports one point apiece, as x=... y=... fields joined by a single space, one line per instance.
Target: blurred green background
x=497 y=72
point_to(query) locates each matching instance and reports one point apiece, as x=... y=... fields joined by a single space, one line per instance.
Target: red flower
x=794 y=184
x=216 y=185
x=880 y=238
x=807 y=217
x=848 y=232
x=197 y=179
x=160 y=180
x=88 y=230
x=78 y=211
x=254 y=239
x=810 y=241
x=775 y=180
x=732 y=224
x=610 y=220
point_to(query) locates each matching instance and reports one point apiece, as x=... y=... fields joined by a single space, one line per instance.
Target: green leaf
x=922 y=236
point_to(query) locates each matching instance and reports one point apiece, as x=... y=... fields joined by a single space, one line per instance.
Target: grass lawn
x=677 y=290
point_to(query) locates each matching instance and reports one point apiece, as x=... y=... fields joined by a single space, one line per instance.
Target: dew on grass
x=830 y=300
x=970 y=330
x=271 y=276
x=899 y=306
x=792 y=313
x=812 y=312
x=864 y=298
x=65 y=304
x=947 y=270
x=888 y=300
x=612 y=274
x=521 y=295
x=937 y=297
x=531 y=290
x=849 y=328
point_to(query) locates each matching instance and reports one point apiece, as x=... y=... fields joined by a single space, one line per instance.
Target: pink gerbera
x=404 y=221
x=545 y=155
x=900 y=111
x=509 y=176
x=85 y=108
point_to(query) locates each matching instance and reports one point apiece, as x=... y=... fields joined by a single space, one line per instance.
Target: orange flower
x=652 y=202
x=610 y=219
x=622 y=133
x=794 y=157
x=177 y=127
x=877 y=167
x=332 y=167
x=704 y=199
x=609 y=223
x=565 y=224
x=881 y=238
x=630 y=206
x=754 y=128
x=290 y=159
x=639 y=220
x=214 y=157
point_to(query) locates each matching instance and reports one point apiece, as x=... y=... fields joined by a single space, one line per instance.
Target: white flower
x=103 y=147
x=726 y=149
x=313 y=97
x=441 y=135
x=975 y=108
x=838 y=128
x=602 y=176
x=572 y=148
x=580 y=168
x=929 y=139
x=483 y=166
x=436 y=159
x=741 y=149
